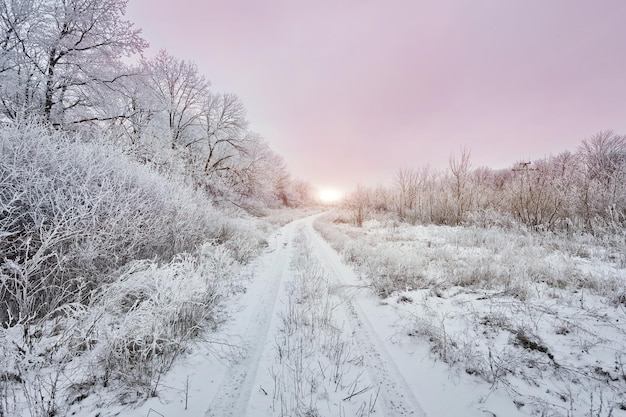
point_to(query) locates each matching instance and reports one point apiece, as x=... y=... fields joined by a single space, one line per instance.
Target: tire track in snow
x=236 y=388
x=396 y=395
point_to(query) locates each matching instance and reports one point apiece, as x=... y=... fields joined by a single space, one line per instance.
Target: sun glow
x=329 y=195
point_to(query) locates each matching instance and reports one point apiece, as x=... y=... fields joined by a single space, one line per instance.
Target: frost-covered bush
x=124 y=339
x=242 y=238
x=107 y=270
x=72 y=212
x=152 y=311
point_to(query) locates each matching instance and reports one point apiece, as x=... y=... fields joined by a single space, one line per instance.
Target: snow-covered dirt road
x=261 y=304
x=319 y=343
x=396 y=397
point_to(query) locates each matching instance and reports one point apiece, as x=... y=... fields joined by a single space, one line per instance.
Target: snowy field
x=388 y=320
x=540 y=318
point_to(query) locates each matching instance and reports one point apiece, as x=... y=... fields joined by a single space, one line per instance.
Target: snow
x=310 y=336
x=519 y=319
x=426 y=384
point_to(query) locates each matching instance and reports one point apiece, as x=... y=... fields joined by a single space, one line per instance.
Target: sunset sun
x=329 y=195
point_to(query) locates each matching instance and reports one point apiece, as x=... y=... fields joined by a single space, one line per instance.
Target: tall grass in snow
x=396 y=257
x=318 y=366
x=540 y=315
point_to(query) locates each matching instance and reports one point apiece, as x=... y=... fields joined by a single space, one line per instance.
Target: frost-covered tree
x=407 y=187
x=536 y=196
x=265 y=173
x=59 y=57
x=255 y=175
x=359 y=203
x=604 y=163
x=461 y=191
x=223 y=119
x=300 y=193
x=180 y=91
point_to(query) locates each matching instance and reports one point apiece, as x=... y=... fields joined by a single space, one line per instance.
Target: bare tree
x=461 y=192
x=260 y=172
x=407 y=185
x=537 y=198
x=482 y=179
x=381 y=199
x=359 y=202
x=565 y=176
x=300 y=193
x=431 y=181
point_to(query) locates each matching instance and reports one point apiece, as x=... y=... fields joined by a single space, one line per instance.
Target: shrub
x=72 y=212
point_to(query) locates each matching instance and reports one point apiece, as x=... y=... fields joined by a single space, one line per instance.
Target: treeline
x=67 y=64
x=102 y=161
x=583 y=190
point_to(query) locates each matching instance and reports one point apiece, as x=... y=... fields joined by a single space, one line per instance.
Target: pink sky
x=349 y=91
